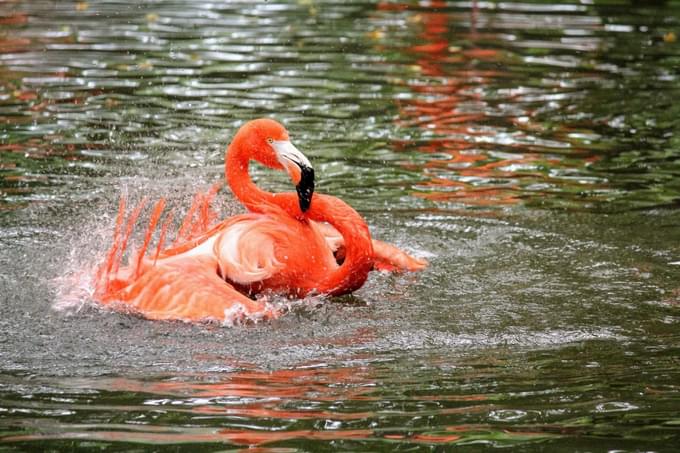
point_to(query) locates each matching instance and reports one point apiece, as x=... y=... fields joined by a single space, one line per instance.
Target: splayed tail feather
x=109 y=278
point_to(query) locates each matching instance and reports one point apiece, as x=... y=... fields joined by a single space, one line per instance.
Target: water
x=529 y=150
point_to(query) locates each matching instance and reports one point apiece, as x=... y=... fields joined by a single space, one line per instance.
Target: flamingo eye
x=270 y=140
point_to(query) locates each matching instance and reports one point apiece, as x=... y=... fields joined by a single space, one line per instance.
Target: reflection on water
x=443 y=101
x=283 y=407
x=461 y=402
x=487 y=147
x=528 y=150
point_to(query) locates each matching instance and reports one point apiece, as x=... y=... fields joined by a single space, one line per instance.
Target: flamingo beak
x=300 y=170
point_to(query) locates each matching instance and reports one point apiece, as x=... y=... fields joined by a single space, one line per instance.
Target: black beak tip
x=305 y=188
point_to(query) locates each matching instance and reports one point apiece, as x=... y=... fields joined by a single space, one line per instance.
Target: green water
x=529 y=151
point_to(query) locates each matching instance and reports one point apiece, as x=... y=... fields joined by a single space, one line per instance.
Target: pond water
x=530 y=151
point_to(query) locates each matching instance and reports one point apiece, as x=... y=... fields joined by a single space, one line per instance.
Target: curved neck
x=352 y=273
x=245 y=190
x=236 y=172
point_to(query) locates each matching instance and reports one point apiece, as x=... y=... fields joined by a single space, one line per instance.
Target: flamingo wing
x=245 y=248
x=188 y=289
x=386 y=257
x=248 y=249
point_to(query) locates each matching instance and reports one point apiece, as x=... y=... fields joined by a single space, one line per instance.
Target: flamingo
x=292 y=243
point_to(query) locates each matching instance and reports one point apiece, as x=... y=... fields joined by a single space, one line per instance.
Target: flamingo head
x=273 y=148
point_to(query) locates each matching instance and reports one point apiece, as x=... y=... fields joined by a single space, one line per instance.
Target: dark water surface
x=529 y=150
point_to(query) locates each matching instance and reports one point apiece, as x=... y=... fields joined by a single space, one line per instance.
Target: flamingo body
x=292 y=244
